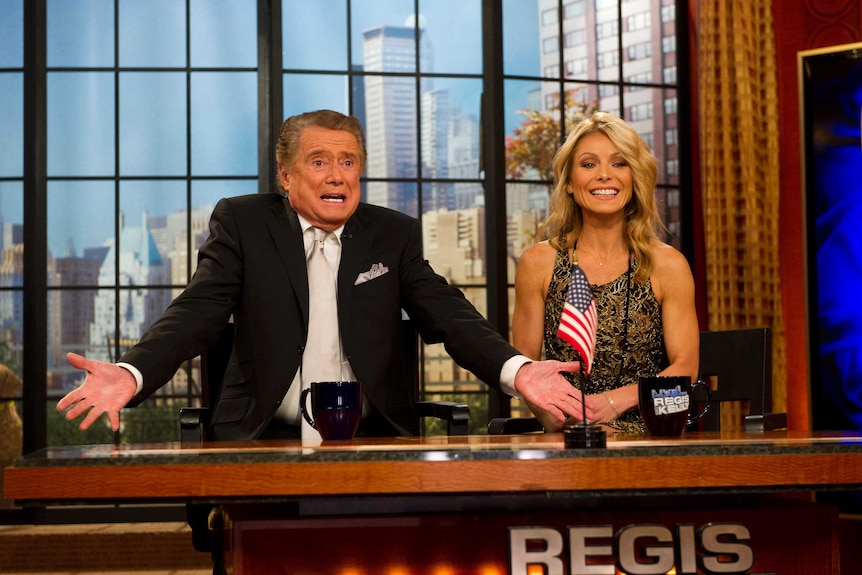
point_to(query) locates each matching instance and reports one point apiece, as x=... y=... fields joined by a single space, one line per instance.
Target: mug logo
x=668 y=401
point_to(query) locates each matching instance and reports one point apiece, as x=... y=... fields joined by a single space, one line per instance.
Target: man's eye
x=348 y=164
x=318 y=164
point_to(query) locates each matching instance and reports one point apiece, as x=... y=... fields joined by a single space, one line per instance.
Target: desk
x=483 y=491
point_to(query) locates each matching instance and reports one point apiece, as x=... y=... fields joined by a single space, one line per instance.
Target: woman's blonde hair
x=565 y=222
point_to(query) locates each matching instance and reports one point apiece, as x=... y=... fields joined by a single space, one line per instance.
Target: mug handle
x=705 y=405
x=303 y=397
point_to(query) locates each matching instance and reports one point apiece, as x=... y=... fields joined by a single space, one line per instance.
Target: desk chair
x=741 y=362
x=194 y=421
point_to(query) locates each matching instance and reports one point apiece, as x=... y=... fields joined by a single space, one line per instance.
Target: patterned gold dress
x=614 y=364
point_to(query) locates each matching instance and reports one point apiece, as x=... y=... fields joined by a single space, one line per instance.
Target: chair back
x=741 y=362
x=454 y=415
x=214 y=361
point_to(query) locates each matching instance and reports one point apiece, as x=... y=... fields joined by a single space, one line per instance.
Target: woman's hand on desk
x=611 y=404
x=544 y=389
x=107 y=389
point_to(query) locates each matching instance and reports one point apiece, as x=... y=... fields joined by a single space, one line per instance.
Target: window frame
x=36 y=293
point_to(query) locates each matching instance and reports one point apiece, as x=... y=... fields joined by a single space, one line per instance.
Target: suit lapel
x=287 y=236
x=355 y=244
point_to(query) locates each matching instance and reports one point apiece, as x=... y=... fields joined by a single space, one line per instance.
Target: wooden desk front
x=785 y=461
x=418 y=505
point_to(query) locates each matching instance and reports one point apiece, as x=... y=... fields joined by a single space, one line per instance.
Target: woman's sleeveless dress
x=644 y=354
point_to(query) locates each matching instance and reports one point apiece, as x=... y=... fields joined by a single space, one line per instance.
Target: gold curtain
x=738 y=105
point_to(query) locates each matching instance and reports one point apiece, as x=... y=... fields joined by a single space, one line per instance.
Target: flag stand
x=584 y=435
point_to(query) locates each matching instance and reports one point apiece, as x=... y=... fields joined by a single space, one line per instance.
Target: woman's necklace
x=600 y=261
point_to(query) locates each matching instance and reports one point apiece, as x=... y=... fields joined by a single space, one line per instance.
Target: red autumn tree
x=531 y=147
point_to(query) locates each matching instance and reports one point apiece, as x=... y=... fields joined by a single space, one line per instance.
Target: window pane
x=650 y=111
x=139 y=308
x=223 y=33
x=642 y=40
x=11 y=347
x=314 y=35
x=80 y=227
x=154 y=219
x=521 y=45
x=81 y=33
x=399 y=196
x=668 y=205
x=152 y=33
x=205 y=195
x=11 y=242
x=153 y=124
x=60 y=431
x=450 y=109
x=102 y=343
x=606 y=50
x=12 y=125
x=209 y=192
x=383 y=35
x=454 y=36
x=526 y=210
x=533 y=131
x=80 y=124
x=306 y=92
x=454 y=242
x=224 y=123
x=71 y=314
x=580 y=100
x=156 y=419
x=11 y=33
x=390 y=130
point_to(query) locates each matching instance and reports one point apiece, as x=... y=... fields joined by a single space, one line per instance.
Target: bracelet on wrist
x=612 y=404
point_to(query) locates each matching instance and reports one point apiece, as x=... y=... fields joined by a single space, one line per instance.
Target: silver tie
x=322 y=358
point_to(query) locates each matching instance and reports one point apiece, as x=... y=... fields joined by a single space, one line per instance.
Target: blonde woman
x=603 y=216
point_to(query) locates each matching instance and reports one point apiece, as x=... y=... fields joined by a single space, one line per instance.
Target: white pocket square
x=376 y=270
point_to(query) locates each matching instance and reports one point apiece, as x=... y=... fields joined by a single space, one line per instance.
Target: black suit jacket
x=253 y=267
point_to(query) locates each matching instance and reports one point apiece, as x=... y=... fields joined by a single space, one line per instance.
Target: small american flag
x=578 y=321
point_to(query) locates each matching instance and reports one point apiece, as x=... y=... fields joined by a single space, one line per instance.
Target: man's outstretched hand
x=107 y=389
x=543 y=387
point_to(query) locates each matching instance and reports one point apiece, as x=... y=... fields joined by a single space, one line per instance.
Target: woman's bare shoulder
x=668 y=259
x=671 y=271
x=538 y=255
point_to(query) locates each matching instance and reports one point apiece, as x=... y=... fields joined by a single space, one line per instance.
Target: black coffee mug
x=336 y=407
x=665 y=404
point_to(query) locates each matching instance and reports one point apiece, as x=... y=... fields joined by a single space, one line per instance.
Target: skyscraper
x=392 y=137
